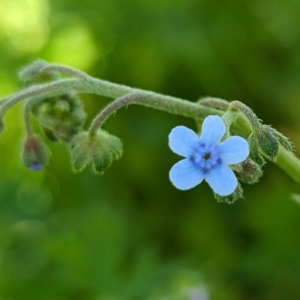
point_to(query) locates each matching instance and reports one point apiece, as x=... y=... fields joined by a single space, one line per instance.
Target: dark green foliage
x=129 y=235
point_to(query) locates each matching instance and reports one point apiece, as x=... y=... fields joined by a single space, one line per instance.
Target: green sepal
x=230 y=199
x=264 y=144
x=267 y=141
x=255 y=153
x=283 y=140
x=100 y=150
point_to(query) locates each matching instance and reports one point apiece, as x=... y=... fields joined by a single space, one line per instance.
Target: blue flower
x=205 y=157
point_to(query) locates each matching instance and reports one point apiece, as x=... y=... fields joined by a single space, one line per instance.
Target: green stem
x=86 y=84
x=289 y=163
x=27 y=121
x=248 y=113
x=112 y=107
x=104 y=88
x=65 y=70
x=215 y=102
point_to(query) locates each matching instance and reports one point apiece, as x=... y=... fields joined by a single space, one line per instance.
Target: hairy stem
x=248 y=113
x=65 y=70
x=27 y=121
x=289 y=163
x=215 y=102
x=112 y=108
x=104 y=88
x=86 y=84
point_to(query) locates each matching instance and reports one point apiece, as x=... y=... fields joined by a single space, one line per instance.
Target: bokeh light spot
x=23 y=24
x=73 y=46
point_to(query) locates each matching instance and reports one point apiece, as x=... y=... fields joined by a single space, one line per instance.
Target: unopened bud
x=63 y=116
x=100 y=150
x=61 y=107
x=249 y=171
x=268 y=142
x=35 y=154
x=45 y=108
x=264 y=142
x=255 y=152
x=34 y=73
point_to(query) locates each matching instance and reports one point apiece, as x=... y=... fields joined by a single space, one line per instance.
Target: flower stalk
x=112 y=107
x=84 y=83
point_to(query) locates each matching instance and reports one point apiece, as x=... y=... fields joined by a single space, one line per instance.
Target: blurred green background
x=129 y=234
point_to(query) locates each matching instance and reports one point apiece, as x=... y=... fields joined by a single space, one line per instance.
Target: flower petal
x=222 y=180
x=184 y=175
x=234 y=150
x=213 y=128
x=183 y=140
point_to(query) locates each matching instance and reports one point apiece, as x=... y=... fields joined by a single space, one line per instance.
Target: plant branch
x=86 y=84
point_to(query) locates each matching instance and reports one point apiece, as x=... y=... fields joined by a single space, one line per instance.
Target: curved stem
x=289 y=163
x=104 y=88
x=215 y=102
x=65 y=70
x=112 y=108
x=285 y=159
x=27 y=121
x=248 y=113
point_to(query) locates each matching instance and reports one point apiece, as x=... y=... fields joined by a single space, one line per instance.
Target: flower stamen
x=206 y=156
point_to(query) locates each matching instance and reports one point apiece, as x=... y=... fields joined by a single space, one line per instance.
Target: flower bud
x=100 y=150
x=45 y=108
x=268 y=142
x=283 y=140
x=249 y=171
x=62 y=116
x=35 y=154
x=264 y=143
x=34 y=73
x=62 y=107
x=255 y=152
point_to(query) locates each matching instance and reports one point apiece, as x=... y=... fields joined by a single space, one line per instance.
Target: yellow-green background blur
x=129 y=234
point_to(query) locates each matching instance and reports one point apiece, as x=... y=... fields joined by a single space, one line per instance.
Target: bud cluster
x=264 y=143
x=61 y=119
